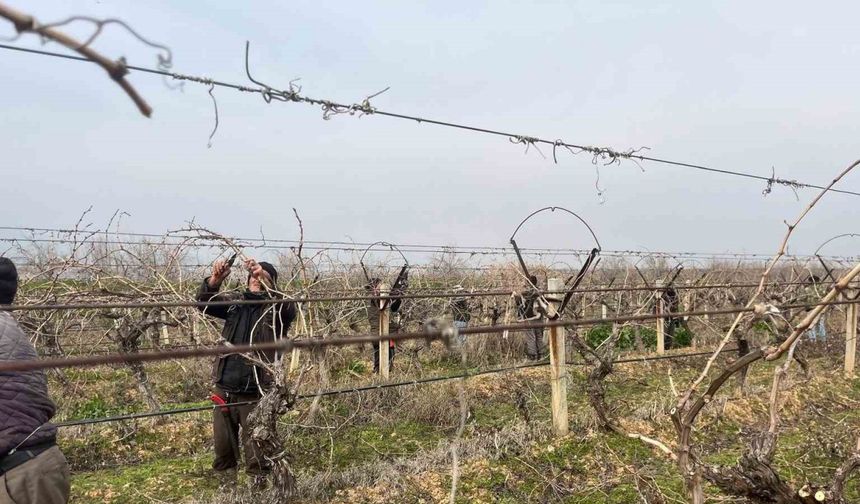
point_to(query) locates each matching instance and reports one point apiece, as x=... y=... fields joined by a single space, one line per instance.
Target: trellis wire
x=606 y=155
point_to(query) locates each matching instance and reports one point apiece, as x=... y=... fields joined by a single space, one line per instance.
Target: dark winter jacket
x=526 y=305
x=25 y=408
x=246 y=324
x=671 y=302
x=372 y=307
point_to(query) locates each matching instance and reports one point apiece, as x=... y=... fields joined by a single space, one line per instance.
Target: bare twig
x=115 y=69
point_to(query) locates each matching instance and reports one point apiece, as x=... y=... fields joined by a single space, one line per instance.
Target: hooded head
x=8 y=281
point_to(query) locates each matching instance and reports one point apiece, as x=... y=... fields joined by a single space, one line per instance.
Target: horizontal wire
x=366 y=108
x=361 y=246
x=430 y=270
x=431 y=293
x=440 y=249
x=135 y=416
x=286 y=345
x=379 y=386
x=313 y=299
x=23 y=262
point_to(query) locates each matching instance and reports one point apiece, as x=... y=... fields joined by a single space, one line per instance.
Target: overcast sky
x=735 y=85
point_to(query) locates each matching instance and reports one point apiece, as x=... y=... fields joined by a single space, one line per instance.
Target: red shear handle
x=219 y=401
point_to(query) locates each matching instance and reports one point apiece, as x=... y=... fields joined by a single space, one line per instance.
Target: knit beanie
x=8 y=281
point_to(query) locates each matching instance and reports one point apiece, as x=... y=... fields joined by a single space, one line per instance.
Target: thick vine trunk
x=127 y=334
x=595 y=387
x=754 y=477
x=596 y=391
x=141 y=378
x=695 y=487
x=263 y=422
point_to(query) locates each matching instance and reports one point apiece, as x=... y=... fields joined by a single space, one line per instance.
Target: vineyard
x=474 y=415
x=198 y=365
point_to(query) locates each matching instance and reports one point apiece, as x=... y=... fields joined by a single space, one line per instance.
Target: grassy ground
x=394 y=446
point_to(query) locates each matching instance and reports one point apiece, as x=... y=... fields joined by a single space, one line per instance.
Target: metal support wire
x=373 y=387
x=331 y=107
x=314 y=343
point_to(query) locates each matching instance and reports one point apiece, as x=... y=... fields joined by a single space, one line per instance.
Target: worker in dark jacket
x=527 y=311
x=33 y=470
x=672 y=304
x=236 y=379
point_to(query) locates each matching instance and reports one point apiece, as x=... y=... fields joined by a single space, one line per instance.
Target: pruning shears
x=232 y=260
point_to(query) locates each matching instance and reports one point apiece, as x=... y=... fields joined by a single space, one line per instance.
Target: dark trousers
x=535 y=347
x=226 y=428
x=672 y=325
x=376 y=357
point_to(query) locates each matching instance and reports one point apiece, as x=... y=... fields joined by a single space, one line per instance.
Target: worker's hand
x=253 y=267
x=220 y=272
x=257 y=271
x=258 y=274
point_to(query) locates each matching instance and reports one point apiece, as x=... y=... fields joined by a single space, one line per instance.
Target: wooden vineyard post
x=850 y=338
x=661 y=324
x=165 y=334
x=294 y=360
x=507 y=318
x=558 y=366
x=384 y=320
x=195 y=328
x=295 y=355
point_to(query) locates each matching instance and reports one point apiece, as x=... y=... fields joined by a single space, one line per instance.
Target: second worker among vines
x=236 y=377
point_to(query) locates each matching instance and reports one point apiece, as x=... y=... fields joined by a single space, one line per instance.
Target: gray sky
x=735 y=85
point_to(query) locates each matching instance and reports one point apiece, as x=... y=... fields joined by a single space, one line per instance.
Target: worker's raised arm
x=210 y=287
